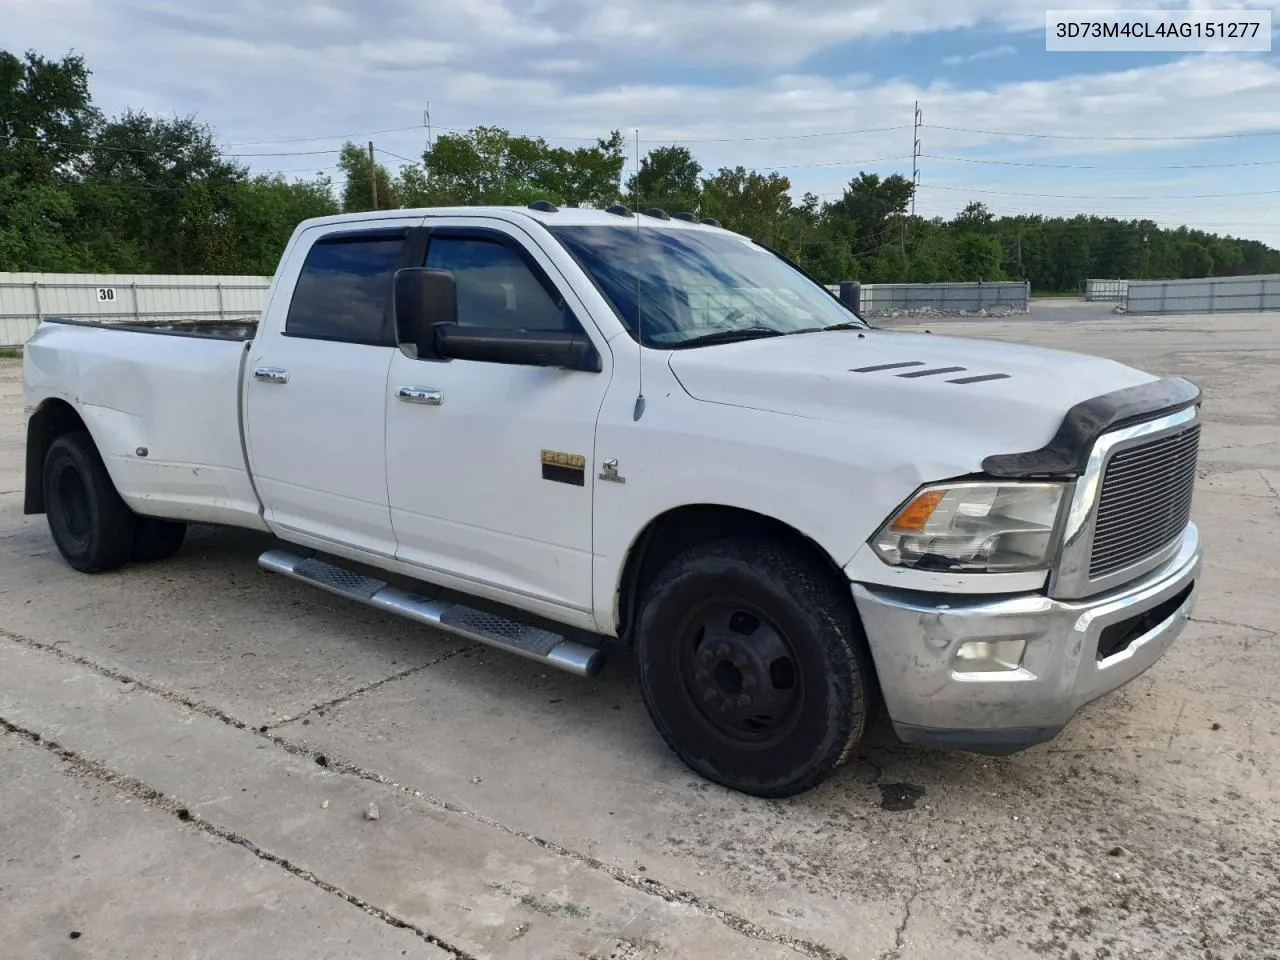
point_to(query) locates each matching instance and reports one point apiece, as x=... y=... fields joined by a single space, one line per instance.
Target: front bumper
x=931 y=699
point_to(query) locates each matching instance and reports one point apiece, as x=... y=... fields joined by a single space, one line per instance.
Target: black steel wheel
x=753 y=666
x=738 y=670
x=92 y=527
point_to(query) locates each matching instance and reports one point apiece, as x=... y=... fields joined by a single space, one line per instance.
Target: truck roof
x=574 y=216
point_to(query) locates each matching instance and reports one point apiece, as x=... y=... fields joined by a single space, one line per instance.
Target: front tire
x=92 y=527
x=753 y=666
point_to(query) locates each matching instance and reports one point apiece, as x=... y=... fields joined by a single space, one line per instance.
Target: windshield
x=698 y=287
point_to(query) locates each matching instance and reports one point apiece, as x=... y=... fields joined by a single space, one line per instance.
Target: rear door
x=316 y=391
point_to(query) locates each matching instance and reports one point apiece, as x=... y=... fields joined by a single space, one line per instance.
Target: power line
x=90 y=147
x=1081 y=136
x=397 y=156
x=1076 y=196
x=786 y=136
x=1091 y=166
x=338 y=136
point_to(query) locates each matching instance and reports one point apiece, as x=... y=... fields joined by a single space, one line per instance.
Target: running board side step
x=527 y=641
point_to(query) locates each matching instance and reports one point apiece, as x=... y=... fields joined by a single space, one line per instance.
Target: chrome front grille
x=1145 y=503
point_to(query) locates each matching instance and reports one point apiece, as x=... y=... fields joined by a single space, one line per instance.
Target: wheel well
x=677 y=530
x=52 y=420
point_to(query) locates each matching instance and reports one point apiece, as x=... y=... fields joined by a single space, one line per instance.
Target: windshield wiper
x=847 y=325
x=729 y=336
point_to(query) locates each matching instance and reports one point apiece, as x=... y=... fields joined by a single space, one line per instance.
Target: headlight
x=976 y=527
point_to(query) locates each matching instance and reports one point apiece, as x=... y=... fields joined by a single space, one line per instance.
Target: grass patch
x=10 y=353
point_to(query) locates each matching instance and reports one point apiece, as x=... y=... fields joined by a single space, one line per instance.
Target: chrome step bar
x=527 y=641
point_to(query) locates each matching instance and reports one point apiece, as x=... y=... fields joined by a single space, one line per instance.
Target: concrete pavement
x=218 y=734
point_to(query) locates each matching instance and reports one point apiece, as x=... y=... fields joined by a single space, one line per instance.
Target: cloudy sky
x=817 y=89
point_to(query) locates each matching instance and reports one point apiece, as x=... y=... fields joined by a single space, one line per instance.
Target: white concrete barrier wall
x=887 y=297
x=1205 y=295
x=27 y=298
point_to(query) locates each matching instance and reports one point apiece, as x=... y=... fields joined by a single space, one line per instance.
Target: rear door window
x=344 y=290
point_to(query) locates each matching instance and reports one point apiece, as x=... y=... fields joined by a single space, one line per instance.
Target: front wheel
x=753 y=666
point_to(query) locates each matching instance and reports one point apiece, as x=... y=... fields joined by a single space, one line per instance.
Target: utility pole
x=373 y=176
x=915 y=156
x=426 y=122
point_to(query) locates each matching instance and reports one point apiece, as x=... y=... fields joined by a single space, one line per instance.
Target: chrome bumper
x=931 y=699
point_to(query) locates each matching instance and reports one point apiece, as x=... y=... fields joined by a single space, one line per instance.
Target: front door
x=489 y=466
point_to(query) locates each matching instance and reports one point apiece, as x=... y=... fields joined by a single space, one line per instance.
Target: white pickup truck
x=555 y=431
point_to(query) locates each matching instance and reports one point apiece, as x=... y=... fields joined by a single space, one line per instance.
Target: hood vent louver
x=911 y=374
x=888 y=366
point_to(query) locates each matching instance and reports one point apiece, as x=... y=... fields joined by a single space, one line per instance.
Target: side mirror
x=529 y=348
x=424 y=299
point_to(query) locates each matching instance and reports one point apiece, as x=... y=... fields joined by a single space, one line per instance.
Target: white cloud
x=578 y=68
x=994 y=53
x=779 y=33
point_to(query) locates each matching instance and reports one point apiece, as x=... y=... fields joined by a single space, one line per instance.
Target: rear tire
x=157 y=539
x=754 y=667
x=92 y=527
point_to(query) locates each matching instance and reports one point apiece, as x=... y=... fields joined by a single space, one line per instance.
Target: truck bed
x=238 y=330
x=162 y=402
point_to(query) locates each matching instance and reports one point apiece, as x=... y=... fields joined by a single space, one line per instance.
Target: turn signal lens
x=917 y=513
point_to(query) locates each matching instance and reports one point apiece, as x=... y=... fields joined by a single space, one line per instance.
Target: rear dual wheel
x=92 y=527
x=753 y=666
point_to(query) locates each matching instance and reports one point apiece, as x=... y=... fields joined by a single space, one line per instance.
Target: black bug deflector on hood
x=1067 y=454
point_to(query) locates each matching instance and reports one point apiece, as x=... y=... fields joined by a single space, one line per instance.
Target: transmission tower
x=915 y=156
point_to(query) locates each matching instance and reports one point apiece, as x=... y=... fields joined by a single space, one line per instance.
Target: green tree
x=891 y=266
x=46 y=121
x=156 y=192
x=668 y=178
x=266 y=210
x=47 y=117
x=1197 y=261
x=584 y=176
x=876 y=206
x=979 y=257
x=33 y=223
x=753 y=203
x=361 y=172
x=488 y=165
x=136 y=193
x=975 y=216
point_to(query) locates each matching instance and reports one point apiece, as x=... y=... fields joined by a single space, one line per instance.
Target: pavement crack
x=89 y=768
x=900 y=934
x=124 y=678
x=647 y=885
x=1230 y=623
x=643 y=884
x=1275 y=493
x=368 y=687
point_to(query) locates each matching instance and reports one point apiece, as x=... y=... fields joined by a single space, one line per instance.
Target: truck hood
x=967 y=399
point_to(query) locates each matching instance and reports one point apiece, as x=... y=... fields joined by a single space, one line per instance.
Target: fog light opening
x=990 y=656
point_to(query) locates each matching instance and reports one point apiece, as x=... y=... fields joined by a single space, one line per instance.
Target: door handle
x=271 y=375
x=428 y=395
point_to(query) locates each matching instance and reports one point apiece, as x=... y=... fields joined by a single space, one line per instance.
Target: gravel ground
x=192 y=749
